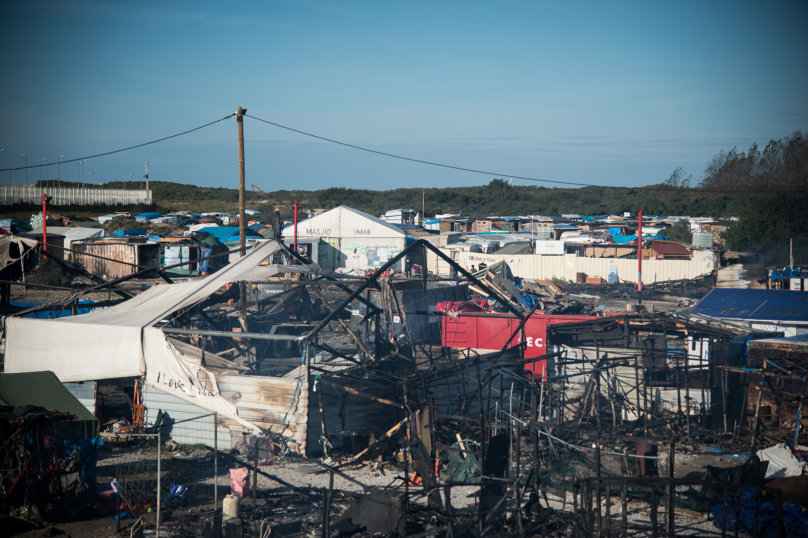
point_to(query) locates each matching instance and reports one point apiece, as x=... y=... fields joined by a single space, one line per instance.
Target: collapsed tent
x=15 y=253
x=127 y=341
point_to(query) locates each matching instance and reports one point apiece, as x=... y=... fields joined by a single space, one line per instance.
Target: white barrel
x=230 y=507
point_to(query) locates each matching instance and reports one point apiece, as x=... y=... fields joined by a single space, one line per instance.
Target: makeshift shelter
x=353 y=239
x=128 y=342
x=666 y=251
x=80 y=234
x=43 y=389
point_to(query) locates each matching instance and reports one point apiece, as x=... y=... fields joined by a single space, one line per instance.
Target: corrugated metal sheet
x=270 y=401
x=754 y=305
x=540 y=267
x=265 y=401
x=84 y=392
x=196 y=431
x=145 y=254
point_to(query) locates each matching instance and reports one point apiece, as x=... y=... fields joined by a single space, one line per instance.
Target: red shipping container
x=491 y=332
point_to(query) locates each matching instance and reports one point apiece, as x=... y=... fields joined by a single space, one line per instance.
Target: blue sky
x=612 y=93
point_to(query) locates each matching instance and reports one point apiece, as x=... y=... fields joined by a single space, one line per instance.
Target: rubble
x=340 y=398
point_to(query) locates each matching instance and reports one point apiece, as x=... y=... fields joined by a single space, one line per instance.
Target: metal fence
x=174 y=468
x=62 y=196
x=189 y=470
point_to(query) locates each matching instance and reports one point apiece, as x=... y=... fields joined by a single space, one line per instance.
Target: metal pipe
x=257 y=336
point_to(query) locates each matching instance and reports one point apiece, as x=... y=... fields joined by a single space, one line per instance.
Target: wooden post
x=687 y=391
x=671 y=521
x=242 y=217
x=757 y=414
x=624 y=509
x=326 y=528
x=255 y=474
x=645 y=396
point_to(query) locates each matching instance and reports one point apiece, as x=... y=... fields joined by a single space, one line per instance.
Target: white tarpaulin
x=782 y=462
x=108 y=343
x=122 y=341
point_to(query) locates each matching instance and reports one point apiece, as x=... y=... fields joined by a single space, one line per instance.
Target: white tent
x=73 y=234
x=352 y=239
x=125 y=340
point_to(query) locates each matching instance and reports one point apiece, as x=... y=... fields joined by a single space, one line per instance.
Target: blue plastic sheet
x=84 y=307
x=794 y=518
x=53 y=313
x=620 y=239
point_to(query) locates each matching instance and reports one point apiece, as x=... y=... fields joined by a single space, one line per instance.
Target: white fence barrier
x=539 y=267
x=32 y=194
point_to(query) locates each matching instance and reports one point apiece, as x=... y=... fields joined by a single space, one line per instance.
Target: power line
x=125 y=149
x=430 y=163
x=417 y=160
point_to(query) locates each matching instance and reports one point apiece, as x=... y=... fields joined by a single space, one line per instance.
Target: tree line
x=768 y=218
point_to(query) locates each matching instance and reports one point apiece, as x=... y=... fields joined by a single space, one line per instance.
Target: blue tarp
x=88 y=457
x=786 y=272
x=226 y=231
x=616 y=231
x=795 y=519
x=148 y=216
x=754 y=305
x=121 y=233
x=620 y=239
x=52 y=314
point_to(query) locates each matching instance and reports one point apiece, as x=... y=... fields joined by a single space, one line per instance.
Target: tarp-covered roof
x=517 y=247
x=44 y=389
x=754 y=305
x=226 y=231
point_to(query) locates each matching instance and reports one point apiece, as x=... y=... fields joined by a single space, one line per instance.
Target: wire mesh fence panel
x=188 y=467
x=134 y=485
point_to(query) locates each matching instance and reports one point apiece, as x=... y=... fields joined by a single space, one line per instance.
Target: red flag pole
x=44 y=225
x=639 y=256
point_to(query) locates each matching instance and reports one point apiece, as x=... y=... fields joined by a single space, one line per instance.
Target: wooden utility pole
x=241 y=213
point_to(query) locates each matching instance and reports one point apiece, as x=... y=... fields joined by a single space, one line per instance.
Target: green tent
x=499 y=268
x=517 y=247
x=43 y=389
